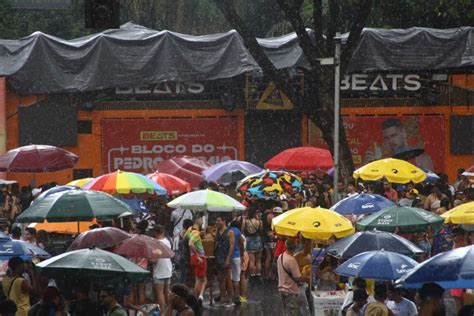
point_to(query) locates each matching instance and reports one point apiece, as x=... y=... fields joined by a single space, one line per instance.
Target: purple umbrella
x=230 y=171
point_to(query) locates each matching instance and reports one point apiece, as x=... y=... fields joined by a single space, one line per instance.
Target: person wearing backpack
x=223 y=251
x=16 y=288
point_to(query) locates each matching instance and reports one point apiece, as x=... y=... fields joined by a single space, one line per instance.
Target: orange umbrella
x=68 y=228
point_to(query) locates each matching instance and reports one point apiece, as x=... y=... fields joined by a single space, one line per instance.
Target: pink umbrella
x=141 y=246
x=101 y=238
x=185 y=167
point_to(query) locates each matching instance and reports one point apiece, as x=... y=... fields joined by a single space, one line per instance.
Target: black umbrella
x=359 y=242
x=409 y=154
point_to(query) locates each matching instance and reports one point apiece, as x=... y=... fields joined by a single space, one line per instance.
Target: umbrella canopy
x=67 y=228
x=301 y=158
x=172 y=184
x=74 y=205
x=406 y=219
x=187 y=168
x=312 y=223
x=56 y=189
x=377 y=265
x=122 y=182
x=362 y=203
x=269 y=184
x=431 y=177
x=450 y=269
x=16 y=248
x=469 y=172
x=360 y=242
x=79 y=182
x=394 y=170
x=461 y=214
x=37 y=158
x=209 y=200
x=100 y=237
x=141 y=246
x=230 y=171
x=92 y=264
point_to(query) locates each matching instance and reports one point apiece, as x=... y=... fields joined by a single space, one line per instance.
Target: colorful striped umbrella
x=172 y=184
x=80 y=182
x=122 y=182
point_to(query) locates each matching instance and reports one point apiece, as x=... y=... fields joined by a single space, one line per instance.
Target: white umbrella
x=209 y=200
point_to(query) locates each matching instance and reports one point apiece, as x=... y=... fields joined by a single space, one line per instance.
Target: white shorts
x=235 y=271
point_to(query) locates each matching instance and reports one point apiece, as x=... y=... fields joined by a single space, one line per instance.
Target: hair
x=159 y=229
x=290 y=244
x=142 y=226
x=444 y=203
x=212 y=186
x=222 y=217
x=252 y=212
x=110 y=289
x=360 y=283
x=187 y=223
x=380 y=291
x=15 y=262
x=391 y=122
x=31 y=230
x=42 y=236
x=16 y=232
x=360 y=295
x=50 y=294
x=394 y=289
x=430 y=290
x=203 y=185
x=182 y=291
x=234 y=223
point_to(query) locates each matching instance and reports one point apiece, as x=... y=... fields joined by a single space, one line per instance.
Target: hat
x=414 y=191
x=277 y=210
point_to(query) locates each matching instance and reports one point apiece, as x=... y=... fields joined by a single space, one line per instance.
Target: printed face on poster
x=137 y=145
x=420 y=139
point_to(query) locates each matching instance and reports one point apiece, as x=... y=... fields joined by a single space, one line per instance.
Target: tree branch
x=332 y=26
x=355 y=32
x=318 y=26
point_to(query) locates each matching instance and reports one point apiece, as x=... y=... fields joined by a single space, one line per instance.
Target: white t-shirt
x=163 y=268
x=404 y=308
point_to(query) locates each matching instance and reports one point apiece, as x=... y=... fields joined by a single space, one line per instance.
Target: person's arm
x=426 y=204
x=192 y=246
x=230 y=235
x=295 y=270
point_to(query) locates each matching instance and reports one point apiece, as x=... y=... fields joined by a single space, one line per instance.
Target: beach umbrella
x=230 y=171
x=10 y=248
x=141 y=246
x=405 y=219
x=301 y=159
x=469 y=172
x=312 y=223
x=362 y=203
x=269 y=184
x=371 y=240
x=56 y=189
x=79 y=182
x=394 y=170
x=122 y=182
x=37 y=158
x=461 y=214
x=377 y=265
x=74 y=205
x=91 y=264
x=450 y=269
x=209 y=200
x=172 y=184
x=185 y=167
x=431 y=177
x=66 y=228
x=100 y=237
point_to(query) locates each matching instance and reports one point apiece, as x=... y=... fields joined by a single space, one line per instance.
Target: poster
x=138 y=144
x=375 y=137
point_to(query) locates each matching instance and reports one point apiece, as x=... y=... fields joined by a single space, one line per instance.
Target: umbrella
x=56 y=189
x=141 y=246
x=302 y=158
x=230 y=171
x=461 y=214
x=209 y=200
x=450 y=269
x=74 y=205
x=187 y=168
x=37 y=158
x=135 y=203
x=377 y=265
x=469 y=172
x=122 y=182
x=172 y=184
x=362 y=203
x=100 y=237
x=269 y=184
x=4 y=236
x=409 y=154
x=67 y=228
x=394 y=170
x=16 y=248
x=406 y=219
x=7 y=182
x=93 y=264
x=431 y=177
x=372 y=240
x=312 y=223
x=80 y=182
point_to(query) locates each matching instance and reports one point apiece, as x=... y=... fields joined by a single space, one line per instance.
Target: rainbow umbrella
x=122 y=182
x=269 y=184
x=79 y=182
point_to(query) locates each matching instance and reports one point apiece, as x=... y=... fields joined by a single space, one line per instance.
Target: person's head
x=221 y=189
x=187 y=223
x=299 y=196
x=252 y=212
x=430 y=292
x=360 y=297
x=30 y=234
x=380 y=292
x=107 y=296
x=394 y=136
x=51 y=296
x=16 y=265
x=459 y=173
x=312 y=186
x=199 y=220
x=394 y=294
x=93 y=226
x=212 y=186
x=458 y=234
x=444 y=203
x=203 y=185
x=290 y=245
x=81 y=290
x=16 y=232
x=42 y=236
x=413 y=194
x=221 y=221
x=159 y=231
x=386 y=185
x=179 y=296
x=359 y=283
x=351 y=188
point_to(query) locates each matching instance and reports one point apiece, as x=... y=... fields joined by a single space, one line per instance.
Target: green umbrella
x=92 y=264
x=73 y=206
x=209 y=200
x=406 y=219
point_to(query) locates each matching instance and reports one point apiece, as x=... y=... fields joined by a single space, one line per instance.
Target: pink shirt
x=285 y=282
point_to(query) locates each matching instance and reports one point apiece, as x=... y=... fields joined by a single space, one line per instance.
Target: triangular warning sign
x=273 y=99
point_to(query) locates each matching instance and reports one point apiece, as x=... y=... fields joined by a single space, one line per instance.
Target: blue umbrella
x=452 y=269
x=378 y=265
x=56 y=189
x=431 y=177
x=362 y=203
x=230 y=170
x=4 y=237
x=135 y=203
x=17 y=248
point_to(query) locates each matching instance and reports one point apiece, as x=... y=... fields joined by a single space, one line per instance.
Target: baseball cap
x=277 y=210
x=414 y=191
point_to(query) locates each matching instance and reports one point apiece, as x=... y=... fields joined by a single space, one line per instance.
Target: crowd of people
x=236 y=248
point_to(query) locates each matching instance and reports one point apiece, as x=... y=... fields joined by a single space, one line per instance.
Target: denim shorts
x=254 y=244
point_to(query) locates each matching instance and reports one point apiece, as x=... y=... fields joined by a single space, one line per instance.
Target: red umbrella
x=141 y=246
x=301 y=159
x=37 y=158
x=184 y=167
x=172 y=184
x=101 y=238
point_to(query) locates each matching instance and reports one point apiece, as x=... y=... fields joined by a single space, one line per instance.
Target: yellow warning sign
x=273 y=99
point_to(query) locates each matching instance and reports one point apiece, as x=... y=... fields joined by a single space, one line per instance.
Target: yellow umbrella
x=461 y=214
x=394 y=170
x=313 y=223
x=80 y=182
x=67 y=228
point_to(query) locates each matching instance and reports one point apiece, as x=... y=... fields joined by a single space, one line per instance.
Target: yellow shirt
x=22 y=300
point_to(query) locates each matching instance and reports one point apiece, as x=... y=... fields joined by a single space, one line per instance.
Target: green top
x=195 y=236
x=117 y=311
